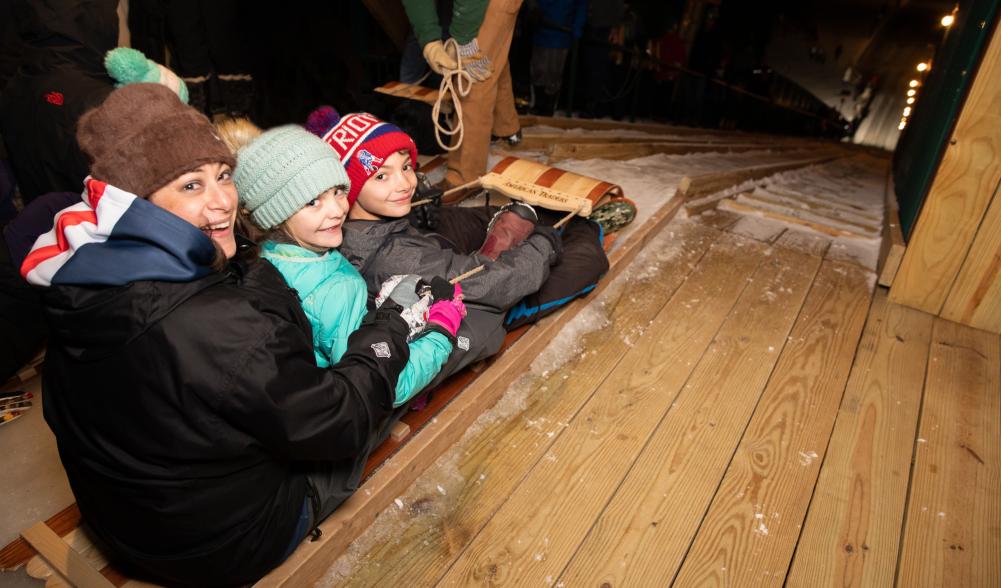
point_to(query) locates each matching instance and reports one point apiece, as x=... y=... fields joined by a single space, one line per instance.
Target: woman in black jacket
x=199 y=437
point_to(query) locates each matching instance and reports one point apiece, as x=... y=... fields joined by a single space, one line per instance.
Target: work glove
x=475 y=62
x=508 y=227
x=410 y=296
x=438 y=58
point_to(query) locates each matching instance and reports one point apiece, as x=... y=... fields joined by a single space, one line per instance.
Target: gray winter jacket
x=382 y=249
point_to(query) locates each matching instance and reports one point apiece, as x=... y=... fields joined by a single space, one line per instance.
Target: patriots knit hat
x=142 y=137
x=282 y=170
x=362 y=142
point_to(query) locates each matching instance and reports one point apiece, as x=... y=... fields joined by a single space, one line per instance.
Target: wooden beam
x=951 y=535
x=893 y=247
x=852 y=532
x=618 y=151
x=693 y=189
x=959 y=196
x=735 y=206
x=311 y=560
x=63 y=559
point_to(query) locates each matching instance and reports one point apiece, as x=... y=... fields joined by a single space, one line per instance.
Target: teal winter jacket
x=333 y=296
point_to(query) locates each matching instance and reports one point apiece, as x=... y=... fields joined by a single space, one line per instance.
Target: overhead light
x=911 y=92
x=913 y=84
x=947 y=20
x=907 y=111
x=922 y=66
x=910 y=100
x=902 y=125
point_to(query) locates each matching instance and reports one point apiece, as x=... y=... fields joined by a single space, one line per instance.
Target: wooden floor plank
x=495 y=460
x=717 y=219
x=809 y=243
x=749 y=533
x=643 y=534
x=852 y=533
x=951 y=537
x=530 y=539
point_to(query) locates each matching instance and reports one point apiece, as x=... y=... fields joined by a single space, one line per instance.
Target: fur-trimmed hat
x=281 y=171
x=362 y=142
x=142 y=136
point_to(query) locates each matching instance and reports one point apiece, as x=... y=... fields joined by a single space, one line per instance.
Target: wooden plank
x=734 y=206
x=717 y=219
x=809 y=243
x=820 y=215
x=694 y=188
x=399 y=432
x=641 y=537
x=959 y=195
x=759 y=229
x=951 y=536
x=16 y=553
x=619 y=151
x=852 y=532
x=313 y=558
x=492 y=464
x=824 y=201
x=65 y=560
x=749 y=533
x=539 y=528
x=975 y=299
x=891 y=250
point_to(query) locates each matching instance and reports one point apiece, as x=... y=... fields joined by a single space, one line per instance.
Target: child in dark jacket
x=526 y=275
x=295 y=190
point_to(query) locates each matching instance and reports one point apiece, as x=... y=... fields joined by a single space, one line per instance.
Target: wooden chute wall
x=952 y=265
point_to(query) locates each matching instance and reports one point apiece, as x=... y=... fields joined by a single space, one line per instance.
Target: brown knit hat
x=142 y=136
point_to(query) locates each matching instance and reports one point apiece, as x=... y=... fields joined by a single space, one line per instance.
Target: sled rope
x=455 y=91
x=479 y=268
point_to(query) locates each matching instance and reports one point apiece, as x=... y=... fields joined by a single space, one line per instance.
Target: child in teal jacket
x=294 y=188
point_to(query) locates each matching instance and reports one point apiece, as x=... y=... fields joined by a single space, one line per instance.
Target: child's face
x=388 y=191
x=317 y=226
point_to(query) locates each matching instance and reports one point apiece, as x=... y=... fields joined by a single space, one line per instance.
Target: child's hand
x=401 y=292
x=447 y=314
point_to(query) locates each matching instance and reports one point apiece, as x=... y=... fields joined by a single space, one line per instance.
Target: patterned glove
x=438 y=58
x=402 y=291
x=475 y=62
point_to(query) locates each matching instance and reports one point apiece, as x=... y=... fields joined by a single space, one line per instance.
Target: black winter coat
x=185 y=414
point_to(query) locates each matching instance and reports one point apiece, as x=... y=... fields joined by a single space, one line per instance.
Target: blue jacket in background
x=560 y=14
x=333 y=296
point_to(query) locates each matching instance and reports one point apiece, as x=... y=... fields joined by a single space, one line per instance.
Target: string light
x=901 y=125
x=913 y=84
x=922 y=66
x=911 y=92
x=907 y=111
x=910 y=100
x=947 y=20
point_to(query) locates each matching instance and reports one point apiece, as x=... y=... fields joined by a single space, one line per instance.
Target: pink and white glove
x=448 y=313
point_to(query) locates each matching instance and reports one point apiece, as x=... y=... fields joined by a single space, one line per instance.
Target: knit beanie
x=362 y=142
x=129 y=66
x=282 y=170
x=142 y=137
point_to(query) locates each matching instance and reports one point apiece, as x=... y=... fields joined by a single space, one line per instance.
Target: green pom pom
x=129 y=66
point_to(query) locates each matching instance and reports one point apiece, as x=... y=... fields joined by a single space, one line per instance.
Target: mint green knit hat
x=280 y=171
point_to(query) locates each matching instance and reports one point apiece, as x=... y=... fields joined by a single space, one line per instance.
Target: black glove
x=425 y=216
x=554 y=237
x=439 y=288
